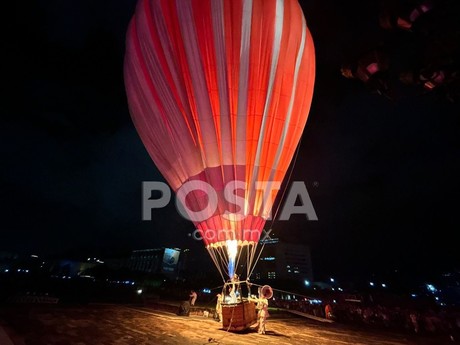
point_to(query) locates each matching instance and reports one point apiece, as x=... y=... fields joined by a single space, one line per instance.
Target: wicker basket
x=239 y=316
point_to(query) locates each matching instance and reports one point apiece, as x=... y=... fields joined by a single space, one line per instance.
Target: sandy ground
x=124 y=325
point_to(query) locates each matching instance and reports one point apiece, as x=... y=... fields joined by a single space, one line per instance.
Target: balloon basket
x=239 y=316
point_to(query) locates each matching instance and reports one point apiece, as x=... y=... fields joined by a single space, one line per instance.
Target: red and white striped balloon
x=219 y=91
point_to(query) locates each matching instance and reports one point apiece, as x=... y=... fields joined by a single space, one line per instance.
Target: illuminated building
x=285 y=261
x=159 y=260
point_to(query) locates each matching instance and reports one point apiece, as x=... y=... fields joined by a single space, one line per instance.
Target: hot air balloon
x=219 y=92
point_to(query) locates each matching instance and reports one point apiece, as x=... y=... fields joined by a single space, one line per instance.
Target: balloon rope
x=222 y=254
x=219 y=261
x=218 y=264
x=211 y=254
x=247 y=261
x=251 y=258
x=289 y=292
x=258 y=257
x=222 y=263
x=226 y=257
x=213 y=257
x=238 y=259
x=217 y=287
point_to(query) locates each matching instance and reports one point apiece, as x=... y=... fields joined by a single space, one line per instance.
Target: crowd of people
x=426 y=321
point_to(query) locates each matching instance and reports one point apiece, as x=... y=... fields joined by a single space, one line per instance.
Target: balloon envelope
x=219 y=92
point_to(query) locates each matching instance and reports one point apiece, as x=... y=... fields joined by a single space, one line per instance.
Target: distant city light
x=307 y=283
x=340 y=289
x=139 y=291
x=6 y=270
x=371 y=284
x=431 y=288
x=315 y=301
x=413 y=295
x=207 y=290
x=332 y=280
x=384 y=285
x=436 y=298
x=34 y=256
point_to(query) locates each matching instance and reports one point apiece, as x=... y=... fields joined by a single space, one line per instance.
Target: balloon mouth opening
x=224 y=244
x=231 y=251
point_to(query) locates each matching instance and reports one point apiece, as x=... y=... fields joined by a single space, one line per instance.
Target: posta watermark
x=212 y=235
x=208 y=200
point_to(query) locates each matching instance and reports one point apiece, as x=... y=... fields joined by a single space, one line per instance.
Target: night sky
x=383 y=175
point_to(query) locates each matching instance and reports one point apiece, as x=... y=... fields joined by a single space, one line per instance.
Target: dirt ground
x=125 y=325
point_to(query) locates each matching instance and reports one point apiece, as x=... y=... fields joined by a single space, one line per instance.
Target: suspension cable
x=289 y=292
x=212 y=254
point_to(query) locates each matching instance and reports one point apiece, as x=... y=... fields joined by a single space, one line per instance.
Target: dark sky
x=382 y=175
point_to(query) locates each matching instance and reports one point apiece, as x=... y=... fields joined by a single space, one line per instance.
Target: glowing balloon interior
x=219 y=91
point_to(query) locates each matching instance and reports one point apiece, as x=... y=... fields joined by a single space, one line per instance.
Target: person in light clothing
x=262 y=307
x=193 y=297
x=232 y=295
x=219 y=307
